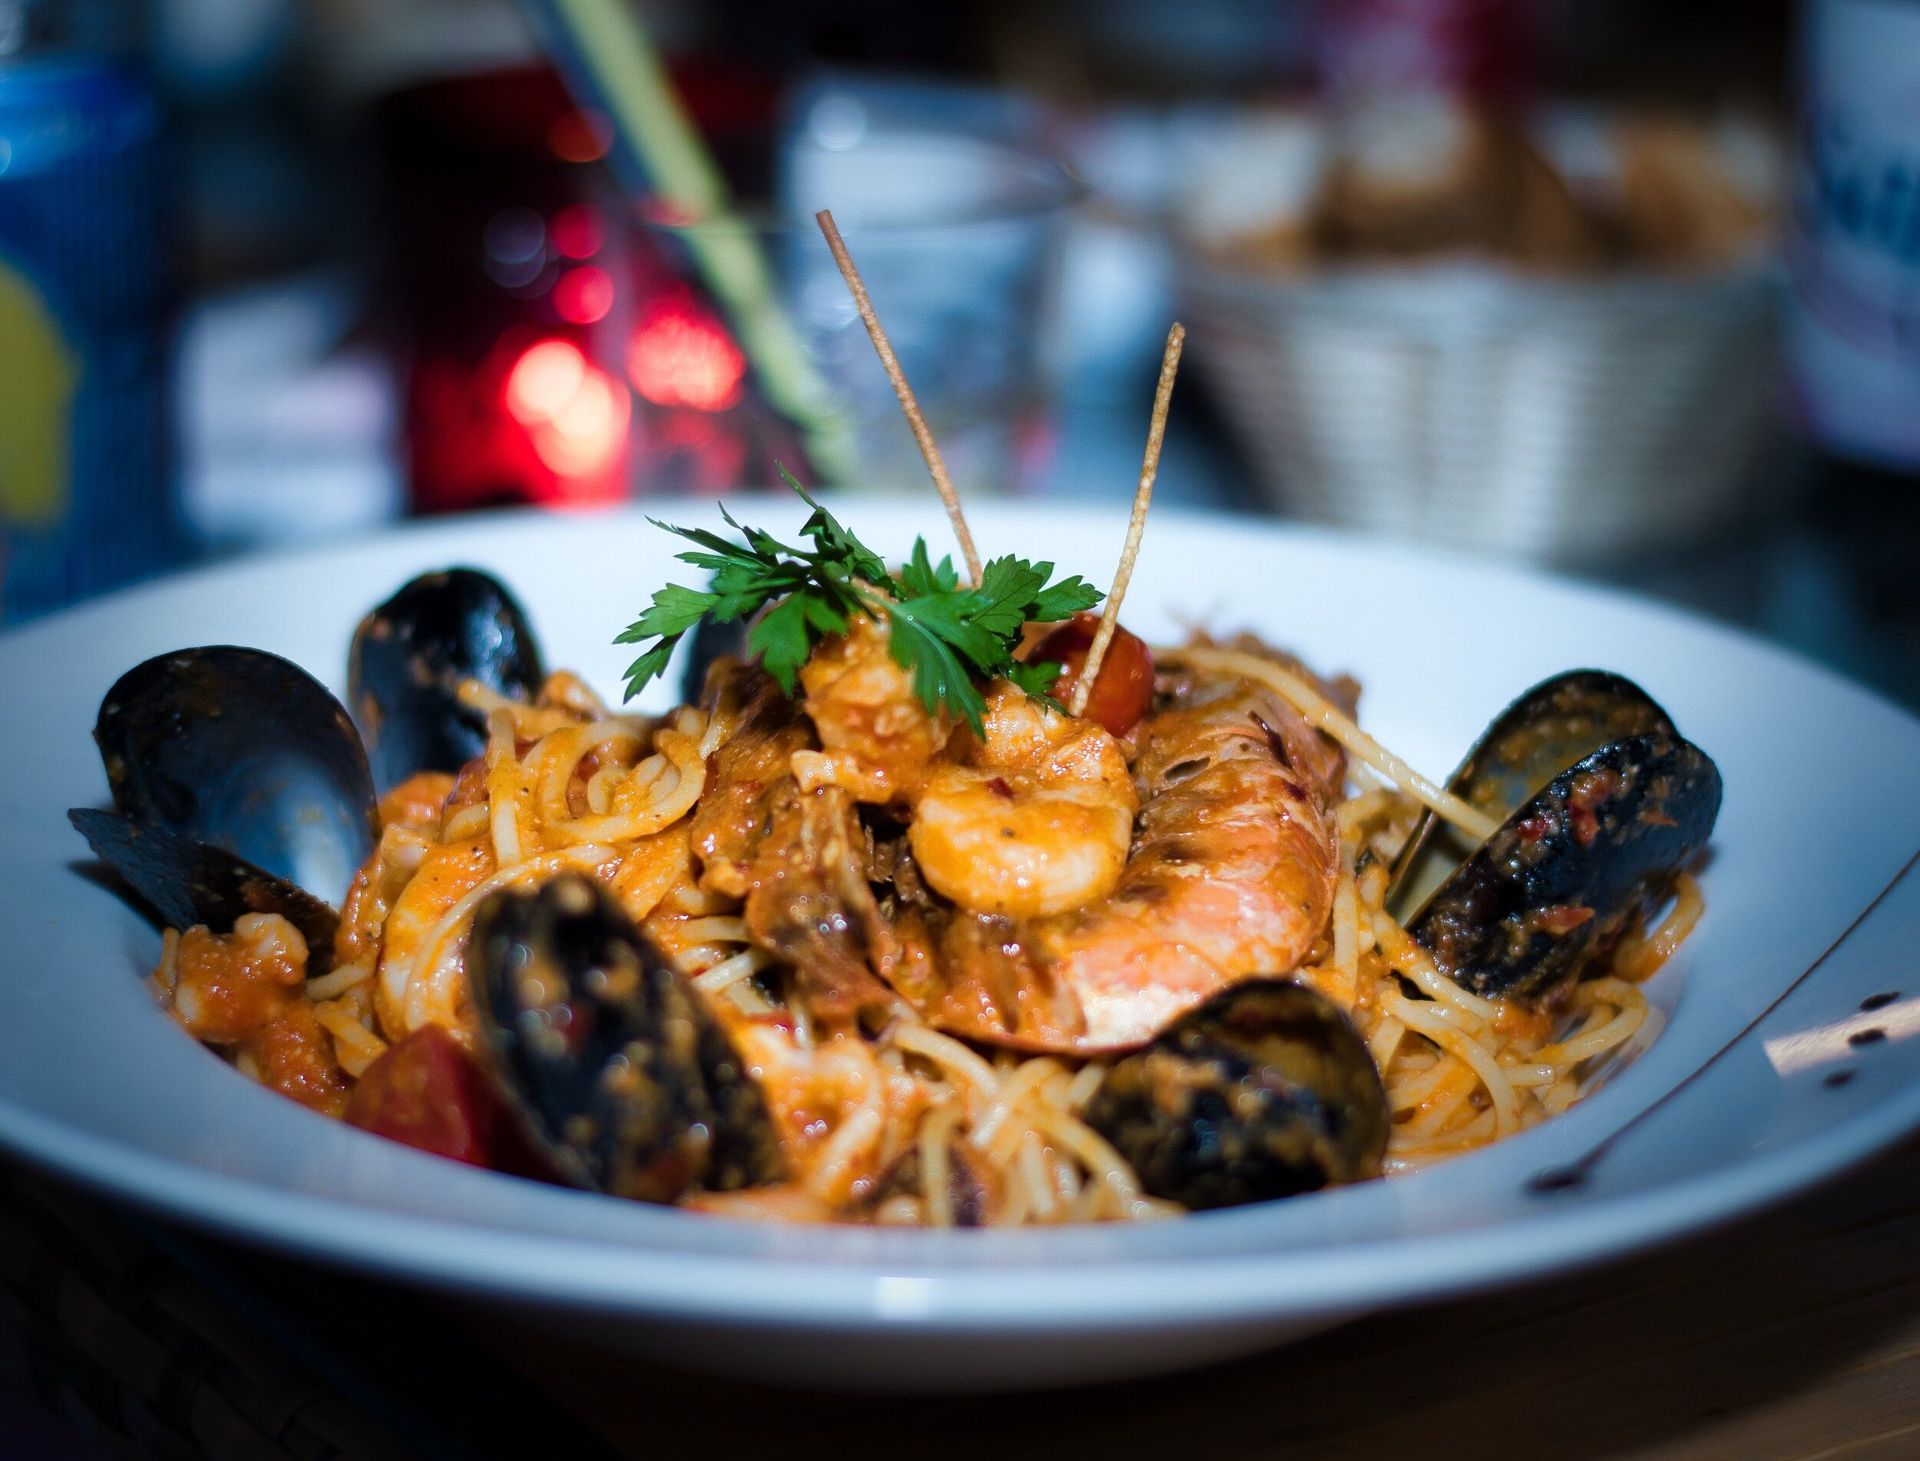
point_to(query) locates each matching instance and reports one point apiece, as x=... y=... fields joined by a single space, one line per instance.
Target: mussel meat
x=240 y=784
x=1602 y=803
x=620 y=1068
x=1262 y=1092
x=410 y=656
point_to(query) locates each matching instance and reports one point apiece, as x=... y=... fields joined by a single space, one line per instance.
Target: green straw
x=612 y=67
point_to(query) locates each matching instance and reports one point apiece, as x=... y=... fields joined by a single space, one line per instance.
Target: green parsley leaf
x=1062 y=600
x=1036 y=679
x=674 y=610
x=1007 y=592
x=832 y=542
x=1039 y=682
x=920 y=577
x=948 y=617
x=940 y=681
x=944 y=635
x=784 y=636
x=653 y=662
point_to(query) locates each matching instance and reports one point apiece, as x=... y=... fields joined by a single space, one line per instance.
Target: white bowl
x=1730 y=1108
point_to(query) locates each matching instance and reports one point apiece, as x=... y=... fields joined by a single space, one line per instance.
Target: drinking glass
x=747 y=352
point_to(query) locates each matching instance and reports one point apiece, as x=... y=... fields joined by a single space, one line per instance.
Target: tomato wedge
x=1121 y=691
x=427 y=1092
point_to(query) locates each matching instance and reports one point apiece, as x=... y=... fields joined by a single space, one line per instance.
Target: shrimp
x=876 y=738
x=1070 y=923
x=1032 y=816
x=1230 y=875
x=1035 y=818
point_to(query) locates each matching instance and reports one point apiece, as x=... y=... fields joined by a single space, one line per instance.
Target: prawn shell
x=1264 y=1091
x=242 y=751
x=620 y=1071
x=410 y=656
x=189 y=882
x=1560 y=877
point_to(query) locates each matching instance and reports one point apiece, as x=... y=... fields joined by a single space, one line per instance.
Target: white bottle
x=1853 y=330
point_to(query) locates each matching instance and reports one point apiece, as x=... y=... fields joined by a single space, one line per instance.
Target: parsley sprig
x=945 y=636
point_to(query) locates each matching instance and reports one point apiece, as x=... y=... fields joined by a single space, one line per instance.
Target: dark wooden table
x=1795 y=1333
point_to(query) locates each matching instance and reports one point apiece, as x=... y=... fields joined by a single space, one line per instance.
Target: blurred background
x=1620 y=287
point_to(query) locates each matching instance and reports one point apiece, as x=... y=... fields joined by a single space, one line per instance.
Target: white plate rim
x=586 y=1273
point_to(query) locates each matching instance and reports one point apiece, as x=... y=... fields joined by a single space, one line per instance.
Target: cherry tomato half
x=427 y=1092
x=1124 y=687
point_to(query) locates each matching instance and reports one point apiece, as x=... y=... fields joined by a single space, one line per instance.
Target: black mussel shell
x=1560 y=877
x=189 y=882
x=244 y=751
x=1556 y=723
x=409 y=657
x=625 y=1075
x=1264 y=1091
x=710 y=642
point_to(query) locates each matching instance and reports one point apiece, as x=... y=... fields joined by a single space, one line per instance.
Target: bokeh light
x=583 y=296
x=575 y=415
x=681 y=355
x=543 y=380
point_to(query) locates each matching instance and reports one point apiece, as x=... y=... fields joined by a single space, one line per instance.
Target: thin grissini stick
x=1137 y=525
x=898 y=377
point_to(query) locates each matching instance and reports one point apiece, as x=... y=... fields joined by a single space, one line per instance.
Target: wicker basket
x=1558 y=420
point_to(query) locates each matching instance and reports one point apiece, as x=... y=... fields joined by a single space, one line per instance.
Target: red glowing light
x=544 y=379
x=585 y=434
x=682 y=356
x=576 y=137
x=574 y=412
x=584 y=295
x=576 y=232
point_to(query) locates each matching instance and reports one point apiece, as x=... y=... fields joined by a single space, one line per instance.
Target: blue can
x=86 y=485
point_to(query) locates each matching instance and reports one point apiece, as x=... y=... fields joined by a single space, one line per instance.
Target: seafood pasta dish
x=940 y=899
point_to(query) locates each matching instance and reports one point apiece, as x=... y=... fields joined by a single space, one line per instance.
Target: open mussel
x=1533 y=740
x=1600 y=802
x=411 y=654
x=621 y=1070
x=241 y=787
x=1560 y=877
x=245 y=751
x=1264 y=1091
x=188 y=882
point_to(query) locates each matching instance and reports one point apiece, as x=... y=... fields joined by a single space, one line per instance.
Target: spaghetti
x=888 y=1117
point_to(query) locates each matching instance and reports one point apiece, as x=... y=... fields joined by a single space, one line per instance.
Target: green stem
x=630 y=81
